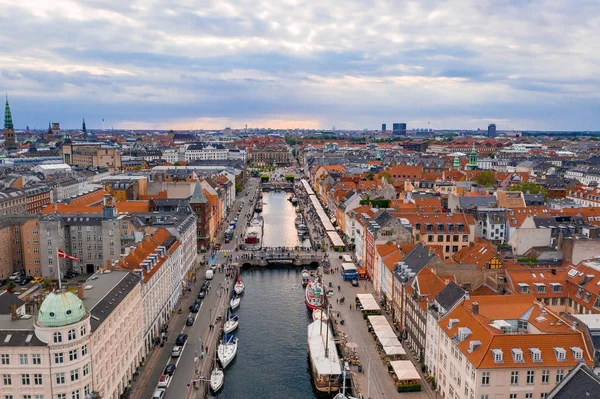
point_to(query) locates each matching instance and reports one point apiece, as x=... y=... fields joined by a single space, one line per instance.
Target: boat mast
x=326 y=335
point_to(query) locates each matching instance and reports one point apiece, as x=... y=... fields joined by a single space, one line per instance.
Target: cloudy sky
x=523 y=64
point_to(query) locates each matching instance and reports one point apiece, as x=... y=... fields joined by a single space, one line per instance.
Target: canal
x=271 y=361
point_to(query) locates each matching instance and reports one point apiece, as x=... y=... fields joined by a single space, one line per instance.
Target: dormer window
x=473 y=345
x=556 y=287
x=540 y=288
x=463 y=333
x=517 y=354
x=536 y=354
x=524 y=288
x=587 y=296
x=497 y=355
x=560 y=353
x=452 y=323
x=577 y=352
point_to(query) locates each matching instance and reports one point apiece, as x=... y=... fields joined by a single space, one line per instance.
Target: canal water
x=271 y=361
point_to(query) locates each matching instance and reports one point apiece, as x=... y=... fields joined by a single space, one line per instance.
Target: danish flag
x=63 y=254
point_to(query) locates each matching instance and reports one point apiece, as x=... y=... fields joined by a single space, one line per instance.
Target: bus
x=349 y=271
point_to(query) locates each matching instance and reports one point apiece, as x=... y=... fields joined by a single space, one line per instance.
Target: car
x=170 y=369
x=201 y=294
x=22 y=281
x=209 y=274
x=15 y=276
x=355 y=283
x=189 y=321
x=159 y=394
x=214 y=266
x=195 y=308
x=176 y=352
x=163 y=381
x=197 y=302
x=181 y=338
x=218 y=246
x=205 y=285
x=38 y=280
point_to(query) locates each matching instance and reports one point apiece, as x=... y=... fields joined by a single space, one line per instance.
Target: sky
x=204 y=64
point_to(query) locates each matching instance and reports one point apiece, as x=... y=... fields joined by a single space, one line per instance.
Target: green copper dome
x=61 y=309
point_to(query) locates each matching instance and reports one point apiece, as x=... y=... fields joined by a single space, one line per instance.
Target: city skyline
x=468 y=64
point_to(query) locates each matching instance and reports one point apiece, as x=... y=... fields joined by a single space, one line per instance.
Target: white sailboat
x=342 y=395
x=217 y=378
x=227 y=351
x=238 y=288
x=231 y=323
x=234 y=302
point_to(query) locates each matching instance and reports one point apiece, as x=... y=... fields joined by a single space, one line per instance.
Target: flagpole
x=58 y=269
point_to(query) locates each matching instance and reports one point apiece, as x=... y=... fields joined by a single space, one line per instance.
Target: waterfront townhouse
x=387 y=257
x=87 y=345
x=505 y=346
x=155 y=259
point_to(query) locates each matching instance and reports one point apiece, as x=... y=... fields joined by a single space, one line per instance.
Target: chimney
x=475 y=308
x=81 y=292
x=13 y=311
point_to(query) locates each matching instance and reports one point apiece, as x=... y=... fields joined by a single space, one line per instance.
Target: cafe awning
x=405 y=370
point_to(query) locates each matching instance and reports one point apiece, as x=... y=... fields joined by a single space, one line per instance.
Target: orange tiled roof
x=479 y=254
x=143 y=250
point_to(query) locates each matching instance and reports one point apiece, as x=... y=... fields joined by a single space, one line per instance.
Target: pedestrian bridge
x=296 y=258
x=274 y=186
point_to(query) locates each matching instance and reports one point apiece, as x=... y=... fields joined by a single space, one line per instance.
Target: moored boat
x=238 y=288
x=314 y=295
x=319 y=314
x=294 y=201
x=254 y=233
x=230 y=325
x=305 y=277
x=234 y=302
x=217 y=377
x=226 y=351
x=324 y=359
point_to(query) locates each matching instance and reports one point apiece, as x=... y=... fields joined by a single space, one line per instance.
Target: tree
x=176 y=164
x=386 y=176
x=370 y=176
x=485 y=178
x=529 y=187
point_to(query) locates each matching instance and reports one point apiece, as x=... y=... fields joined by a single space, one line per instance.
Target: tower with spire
x=83 y=128
x=472 y=159
x=10 y=139
x=456 y=162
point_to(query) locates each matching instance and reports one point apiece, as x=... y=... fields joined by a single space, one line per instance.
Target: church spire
x=8 y=123
x=83 y=129
x=472 y=159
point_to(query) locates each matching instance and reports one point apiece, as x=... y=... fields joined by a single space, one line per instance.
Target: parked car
x=218 y=246
x=163 y=381
x=170 y=369
x=159 y=394
x=209 y=274
x=195 y=308
x=38 y=280
x=201 y=294
x=181 y=338
x=189 y=321
x=355 y=283
x=205 y=285
x=22 y=281
x=176 y=352
x=15 y=276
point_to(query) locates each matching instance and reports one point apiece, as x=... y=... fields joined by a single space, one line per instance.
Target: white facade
x=206 y=153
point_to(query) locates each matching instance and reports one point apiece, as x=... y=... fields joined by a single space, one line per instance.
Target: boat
x=314 y=295
x=254 y=233
x=259 y=207
x=238 y=288
x=235 y=302
x=305 y=277
x=342 y=395
x=301 y=230
x=319 y=314
x=226 y=351
x=230 y=325
x=217 y=378
x=324 y=359
x=298 y=221
x=294 y=201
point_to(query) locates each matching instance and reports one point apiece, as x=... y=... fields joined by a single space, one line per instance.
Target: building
x=508 y=346
x=20 y=245
x=202 y=151
x=72 y=348
x=91 y=155
x=12 y=201
x=383 y=127
x=399 y=129
x=123 y=190
x=270 y=153
x=10 y=138
x=37 y=197
x=491 y=130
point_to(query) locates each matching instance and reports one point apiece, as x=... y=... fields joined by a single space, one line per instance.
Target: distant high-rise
x=491 y=130
x=10 y=140
x=383 y=127
x=399 y=129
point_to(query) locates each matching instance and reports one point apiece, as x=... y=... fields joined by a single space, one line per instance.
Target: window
x=529 y=395
x=8 y=397
x=485 y=378
x=74 y=375
x=83 y=330
x=57 y=338
x=545 y=376
x=536 y=354
x=512 y=396
x=86 y=369
x=84 y=350
x=23 y=359
x=73 y=355
x=71 y=334
x=4 y=359
x=530 y=377
x=37 y=379
x=484 y=396
x=60 y=378
x=61 y=396
x=514 y=378
x=559 y=375
x=26 y=396
x=86 y=390
x=36 y=359
x=75 y=394
x=7 y=379
x=543 y=395
x=58 y=358
x=25 y=380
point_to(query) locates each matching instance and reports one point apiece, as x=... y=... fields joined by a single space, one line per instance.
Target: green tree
x=485 y=178
x=370 y=176
x=176 y=164
x=386 y=176
x=529 y=187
